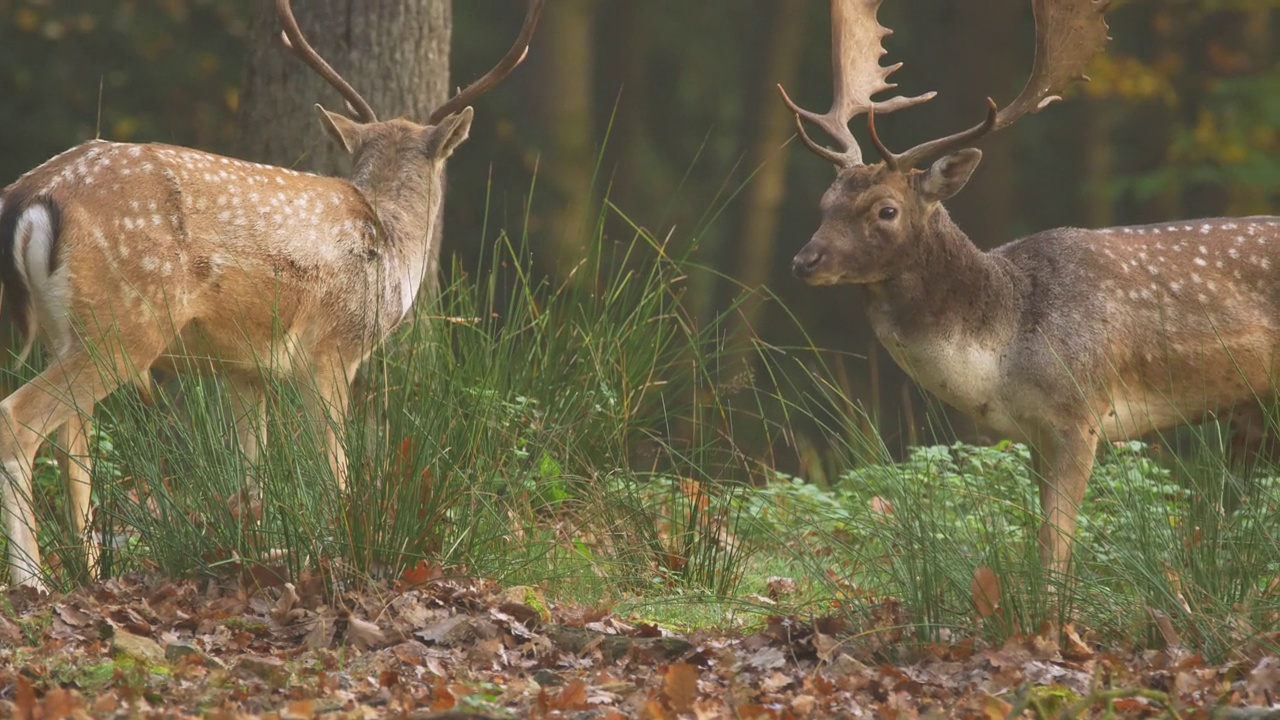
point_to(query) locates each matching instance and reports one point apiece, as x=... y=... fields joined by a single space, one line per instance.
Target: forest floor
x=456 y=648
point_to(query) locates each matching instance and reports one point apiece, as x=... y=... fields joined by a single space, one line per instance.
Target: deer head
x=378 y=148
x=872 y=213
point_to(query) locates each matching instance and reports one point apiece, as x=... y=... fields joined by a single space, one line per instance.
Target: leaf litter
x=142 y=646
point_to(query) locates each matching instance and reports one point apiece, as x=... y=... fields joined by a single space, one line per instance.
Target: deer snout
x=806 y=261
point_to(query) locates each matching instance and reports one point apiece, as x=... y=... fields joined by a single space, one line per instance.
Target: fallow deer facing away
x=1059 y=339
x=121 y=257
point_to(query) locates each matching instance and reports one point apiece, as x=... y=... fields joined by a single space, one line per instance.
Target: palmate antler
x=1068 y=34
x=858 y=75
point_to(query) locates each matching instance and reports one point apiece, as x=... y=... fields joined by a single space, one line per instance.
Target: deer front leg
x=247 y=400
x=1063 y=461
x=325 y=398
x=77 y=468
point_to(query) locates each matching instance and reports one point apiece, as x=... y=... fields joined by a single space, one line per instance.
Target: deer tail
x=30 y=227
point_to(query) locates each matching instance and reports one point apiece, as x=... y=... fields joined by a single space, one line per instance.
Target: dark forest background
x=667 y=110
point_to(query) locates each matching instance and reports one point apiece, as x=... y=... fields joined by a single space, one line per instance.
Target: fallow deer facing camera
x=121 y=257
x=1059 y=339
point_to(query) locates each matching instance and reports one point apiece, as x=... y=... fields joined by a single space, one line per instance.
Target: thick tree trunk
x=394 y=52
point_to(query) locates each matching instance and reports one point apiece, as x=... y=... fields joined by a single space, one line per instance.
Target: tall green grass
x=512 y=429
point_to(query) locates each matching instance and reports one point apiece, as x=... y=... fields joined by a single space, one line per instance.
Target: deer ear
x=443 y=139
x=949 y=174
x=341 y=128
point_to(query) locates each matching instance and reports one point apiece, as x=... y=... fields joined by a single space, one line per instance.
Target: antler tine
x=1068 y=34
x=514 y=57
x=941 y=146
x=857 y=75
x=293 y=39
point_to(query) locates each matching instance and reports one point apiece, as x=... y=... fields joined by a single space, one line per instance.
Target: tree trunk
x=564 y=107
x=394 y=52
x=757 y=239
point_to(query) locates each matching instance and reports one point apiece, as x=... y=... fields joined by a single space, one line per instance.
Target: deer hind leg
x=77 y=467
x=1063 y=463
x=1251 y=447
x=54 y=398
x=325 y=397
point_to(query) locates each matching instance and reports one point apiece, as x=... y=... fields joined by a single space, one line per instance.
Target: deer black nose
x=803 y=264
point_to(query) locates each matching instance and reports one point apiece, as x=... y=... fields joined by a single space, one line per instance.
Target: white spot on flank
x=1204 y=229
x=1203 y=250
x=1233 y=253
x=1229 y=226
x=1175 y=286
x=1128 y=231
x=1188 y=228
x=1195 y=278
x=149 y=263
x=1201 y=262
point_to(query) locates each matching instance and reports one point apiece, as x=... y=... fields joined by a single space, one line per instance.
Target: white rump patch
x=34 y=243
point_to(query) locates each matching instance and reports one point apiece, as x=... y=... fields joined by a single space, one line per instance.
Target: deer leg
x=247 y=401
x=1063 y=463
x=52 y=399
x=77 y=467
x=325 y=395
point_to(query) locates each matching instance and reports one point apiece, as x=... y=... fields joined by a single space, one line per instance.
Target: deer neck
x=949 y=294
x=407 y=205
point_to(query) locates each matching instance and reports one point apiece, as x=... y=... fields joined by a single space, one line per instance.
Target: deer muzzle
x=807 y=261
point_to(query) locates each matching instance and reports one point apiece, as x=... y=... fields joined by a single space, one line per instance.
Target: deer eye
x=888 y=212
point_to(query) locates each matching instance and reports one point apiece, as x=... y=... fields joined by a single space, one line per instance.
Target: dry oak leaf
x=680 y=686
x=364 y=634
x=985 y=590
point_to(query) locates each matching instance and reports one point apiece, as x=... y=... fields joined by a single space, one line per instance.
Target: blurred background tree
x=666 y=110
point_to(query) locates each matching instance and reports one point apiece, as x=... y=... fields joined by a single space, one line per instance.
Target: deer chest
x=963 y=372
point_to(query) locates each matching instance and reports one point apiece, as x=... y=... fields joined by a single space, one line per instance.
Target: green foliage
x=1150 y=537
x=155 y=71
